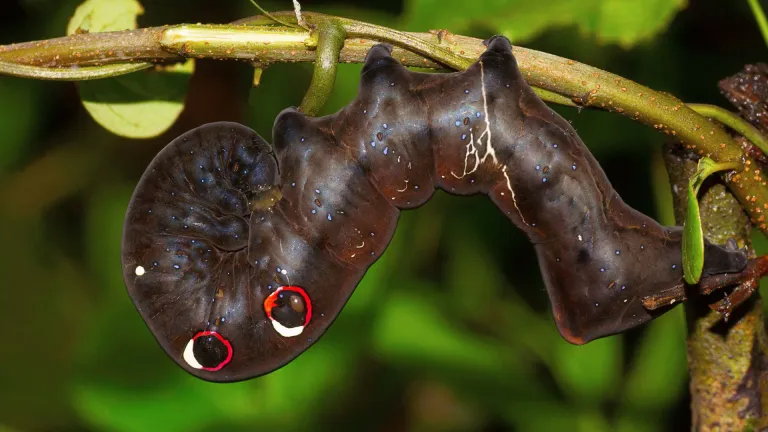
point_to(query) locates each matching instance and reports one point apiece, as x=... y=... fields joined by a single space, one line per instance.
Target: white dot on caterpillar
x=140 y=271
x=580 y=238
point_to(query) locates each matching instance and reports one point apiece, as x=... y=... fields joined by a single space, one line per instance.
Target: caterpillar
x=239 y=254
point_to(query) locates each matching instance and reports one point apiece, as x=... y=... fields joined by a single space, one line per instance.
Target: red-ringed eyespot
x=208 y=350
x=289 y=309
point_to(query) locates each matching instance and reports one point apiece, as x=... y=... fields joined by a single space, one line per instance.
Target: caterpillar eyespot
x=261 y=260
x=289 y=309
x=208 y=351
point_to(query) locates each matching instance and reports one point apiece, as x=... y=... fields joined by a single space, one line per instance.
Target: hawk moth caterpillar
x=239 y=255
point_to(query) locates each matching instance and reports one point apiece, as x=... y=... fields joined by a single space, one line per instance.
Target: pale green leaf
x=625 y=22
x=105 y=15
x=693 y=239
x=693 y=236
x=138 y=105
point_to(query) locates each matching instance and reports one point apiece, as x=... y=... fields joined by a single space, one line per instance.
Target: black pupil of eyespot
x=285 y=311
x=209 y=351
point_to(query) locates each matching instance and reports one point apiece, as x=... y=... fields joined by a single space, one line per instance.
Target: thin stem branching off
x=259 y=40
x=734 y=122
x=762 y=22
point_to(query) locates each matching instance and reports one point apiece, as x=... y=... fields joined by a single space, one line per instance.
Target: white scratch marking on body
x=405 y=188
x=489 y=150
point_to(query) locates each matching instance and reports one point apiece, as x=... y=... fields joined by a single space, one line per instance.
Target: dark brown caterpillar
x=239 y=258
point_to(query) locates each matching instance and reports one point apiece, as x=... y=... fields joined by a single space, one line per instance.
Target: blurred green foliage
x=450 y=330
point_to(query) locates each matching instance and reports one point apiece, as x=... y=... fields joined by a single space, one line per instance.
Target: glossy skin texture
x=208 y=239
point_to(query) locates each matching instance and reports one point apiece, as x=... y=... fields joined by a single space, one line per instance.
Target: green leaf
x=693 y=239
x=138 y=105
x=612 y=21
x=693 y=236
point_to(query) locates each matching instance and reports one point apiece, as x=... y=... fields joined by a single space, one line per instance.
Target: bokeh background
x=449 y=331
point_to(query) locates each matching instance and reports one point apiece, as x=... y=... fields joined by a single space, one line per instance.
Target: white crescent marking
x=189 y=355
x=285 y=331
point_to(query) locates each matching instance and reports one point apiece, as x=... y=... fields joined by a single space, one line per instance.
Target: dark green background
x=450 y=330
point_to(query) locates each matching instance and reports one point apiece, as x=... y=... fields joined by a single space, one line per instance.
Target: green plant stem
x=558 y=79
x=762 y=22
x=734 y=122
x=330 y=40
x=71 y=73
x=402 y=39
